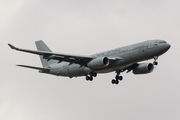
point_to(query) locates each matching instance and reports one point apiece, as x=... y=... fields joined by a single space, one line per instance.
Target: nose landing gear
x=155 y=62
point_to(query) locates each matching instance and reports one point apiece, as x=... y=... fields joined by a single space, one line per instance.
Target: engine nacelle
x=143 y=68
x=99 y=62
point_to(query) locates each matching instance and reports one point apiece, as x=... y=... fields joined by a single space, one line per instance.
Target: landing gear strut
x=92 y=74
x=155 y=62
x=117 y=78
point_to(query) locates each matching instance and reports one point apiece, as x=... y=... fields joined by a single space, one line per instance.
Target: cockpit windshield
x=162 y=42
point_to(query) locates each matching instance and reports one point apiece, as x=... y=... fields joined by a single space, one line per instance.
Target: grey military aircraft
x=119 y=60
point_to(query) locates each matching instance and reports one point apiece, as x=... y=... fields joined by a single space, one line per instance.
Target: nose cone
x=168 y=46
x=165 y=47
x=162 y=48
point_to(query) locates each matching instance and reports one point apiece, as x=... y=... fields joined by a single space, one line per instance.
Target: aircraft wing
x=79 y=59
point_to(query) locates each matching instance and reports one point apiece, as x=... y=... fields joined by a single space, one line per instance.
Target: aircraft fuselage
x=127 y=55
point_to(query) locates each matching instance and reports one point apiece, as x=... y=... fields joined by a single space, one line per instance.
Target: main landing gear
x=117 y=78
x=155 y=62
x=92 y=74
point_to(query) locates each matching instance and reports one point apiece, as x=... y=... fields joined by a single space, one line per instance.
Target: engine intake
x=99 y=62
x=143 y=68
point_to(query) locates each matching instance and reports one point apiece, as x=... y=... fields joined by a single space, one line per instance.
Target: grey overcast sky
x=86 y=27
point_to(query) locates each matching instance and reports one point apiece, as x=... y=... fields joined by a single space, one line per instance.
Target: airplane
x=119 y=60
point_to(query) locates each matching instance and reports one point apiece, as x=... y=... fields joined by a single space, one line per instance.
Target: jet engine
x=143 y=68
x=99 y=62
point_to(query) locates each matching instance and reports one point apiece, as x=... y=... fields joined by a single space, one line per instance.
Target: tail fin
x=41 y=46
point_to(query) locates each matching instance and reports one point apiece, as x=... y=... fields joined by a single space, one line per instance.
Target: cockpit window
x=162 y=42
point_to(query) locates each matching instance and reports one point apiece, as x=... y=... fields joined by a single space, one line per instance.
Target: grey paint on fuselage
x=127 y=55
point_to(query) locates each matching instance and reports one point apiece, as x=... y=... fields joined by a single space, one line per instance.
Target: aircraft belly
x=114 y=66
x=64 y=69
x=76 y=70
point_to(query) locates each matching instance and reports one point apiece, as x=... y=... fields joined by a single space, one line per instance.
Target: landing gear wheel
x=113 y=81
x=120 y=78
x=117 y=82
x=91 y=78
x=91 y=74
x=87 y=78
x=94 y=74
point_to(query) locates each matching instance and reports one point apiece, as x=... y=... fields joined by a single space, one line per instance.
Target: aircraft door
x=130 y=49
x=152 y=48
x=151 y=44
x=142 y=52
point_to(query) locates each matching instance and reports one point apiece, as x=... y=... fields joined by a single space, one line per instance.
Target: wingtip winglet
x=12 y=47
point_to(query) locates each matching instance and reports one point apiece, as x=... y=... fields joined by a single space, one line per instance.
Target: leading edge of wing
x=79 y=59
x=50 y=53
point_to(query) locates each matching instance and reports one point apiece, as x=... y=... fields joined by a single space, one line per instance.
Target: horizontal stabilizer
x=37 y=68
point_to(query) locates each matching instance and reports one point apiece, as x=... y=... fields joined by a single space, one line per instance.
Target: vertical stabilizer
x=41 y=46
